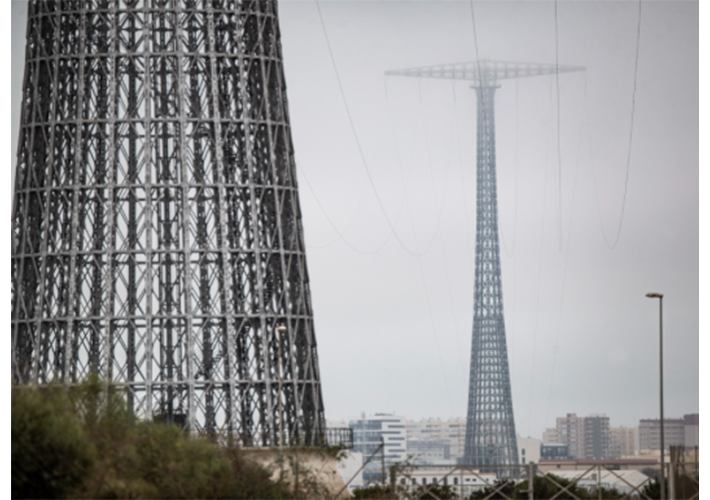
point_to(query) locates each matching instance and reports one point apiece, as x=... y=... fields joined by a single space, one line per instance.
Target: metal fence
x=498 y=481
x=339 y=436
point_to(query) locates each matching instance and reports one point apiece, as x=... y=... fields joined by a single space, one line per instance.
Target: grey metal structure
x=156 y=228
x=490 y=426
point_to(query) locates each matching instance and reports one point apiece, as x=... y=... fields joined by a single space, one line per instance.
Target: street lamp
x=659 y=296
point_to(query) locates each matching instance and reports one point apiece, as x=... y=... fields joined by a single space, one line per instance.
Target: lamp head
x=281 y=329
x=654 y=295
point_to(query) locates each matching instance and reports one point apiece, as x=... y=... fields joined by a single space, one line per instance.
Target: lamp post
x=659 y=296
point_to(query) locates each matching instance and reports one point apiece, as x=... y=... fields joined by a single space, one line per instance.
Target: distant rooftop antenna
x=490 y=426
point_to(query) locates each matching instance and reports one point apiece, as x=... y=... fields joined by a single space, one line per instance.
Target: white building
x=462 y=481
x=623 y=480
x=528 y=450
x=370 y=432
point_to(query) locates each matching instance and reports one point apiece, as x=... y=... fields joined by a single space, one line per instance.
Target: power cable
x=463 y=186
x=419 y=254
x=559 y=149
x=564 y=269
x=341 y=235
x=399 y=160
x=539 y=277
x=628 y=155
x=357 y=139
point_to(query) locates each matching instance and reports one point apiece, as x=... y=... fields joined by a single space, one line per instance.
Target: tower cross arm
x=485 y=71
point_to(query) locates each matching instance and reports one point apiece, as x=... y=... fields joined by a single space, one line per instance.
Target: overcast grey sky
x=394 y=328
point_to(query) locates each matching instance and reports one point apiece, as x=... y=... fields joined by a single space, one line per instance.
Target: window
x=456 y=480
x=434 y=481
x=423 y=480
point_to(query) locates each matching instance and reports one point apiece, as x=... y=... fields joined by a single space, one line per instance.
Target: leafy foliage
x=51 y=455
x=544 y=488
x=375 y=491
x=85 y=443
x=433 y=492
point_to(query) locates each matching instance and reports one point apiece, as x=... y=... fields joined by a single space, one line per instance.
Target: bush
x=85 y=443
x=374 y=491
x=51 y=455
x=433 y=492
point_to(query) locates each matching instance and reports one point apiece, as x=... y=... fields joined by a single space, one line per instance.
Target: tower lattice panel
x=156 y=228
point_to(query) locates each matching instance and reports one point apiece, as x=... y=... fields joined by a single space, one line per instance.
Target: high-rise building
x=551 y=436
x=596 y=437
x=622 y=442
x=585 y=437
x=570 y=431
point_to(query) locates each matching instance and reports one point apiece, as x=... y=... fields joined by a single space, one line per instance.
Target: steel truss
x=490 y=426
x=156 y=227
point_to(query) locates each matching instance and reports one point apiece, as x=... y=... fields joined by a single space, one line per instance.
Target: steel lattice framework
x=490 y=426
x=156 y=228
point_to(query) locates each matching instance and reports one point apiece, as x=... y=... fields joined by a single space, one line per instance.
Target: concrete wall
x=314 y=471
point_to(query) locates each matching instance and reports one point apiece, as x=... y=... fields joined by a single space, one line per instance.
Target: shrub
x=51 y=455
x=84 y=442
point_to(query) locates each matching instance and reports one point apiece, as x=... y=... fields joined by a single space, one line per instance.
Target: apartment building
x=623 y=442
x=676 y=431
x=585 y=437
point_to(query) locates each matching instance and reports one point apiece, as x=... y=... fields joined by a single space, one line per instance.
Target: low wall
x=311 y=472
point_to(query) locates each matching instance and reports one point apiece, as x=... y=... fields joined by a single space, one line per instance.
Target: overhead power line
x=628 y=154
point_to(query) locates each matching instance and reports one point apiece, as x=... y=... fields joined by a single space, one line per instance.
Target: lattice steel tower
x=490 y=426
x=156 y=228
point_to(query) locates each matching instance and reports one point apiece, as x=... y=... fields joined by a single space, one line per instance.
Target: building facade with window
x=554 y=451
x=596 y=437
x=528 y=450
x=674 y=432
x=570 y=431
x=369 y=432
x=623 y=442
x=435 y=441
x=585 y=437
x=463 y=481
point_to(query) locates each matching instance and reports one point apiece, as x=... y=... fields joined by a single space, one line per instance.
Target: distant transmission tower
x=490 y=426
x=156 y=228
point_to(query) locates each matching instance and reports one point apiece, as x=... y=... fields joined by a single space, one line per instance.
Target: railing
x=487 y=481
x=339 y=436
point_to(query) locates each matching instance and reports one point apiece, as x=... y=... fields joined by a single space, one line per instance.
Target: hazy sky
x=393 y=312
